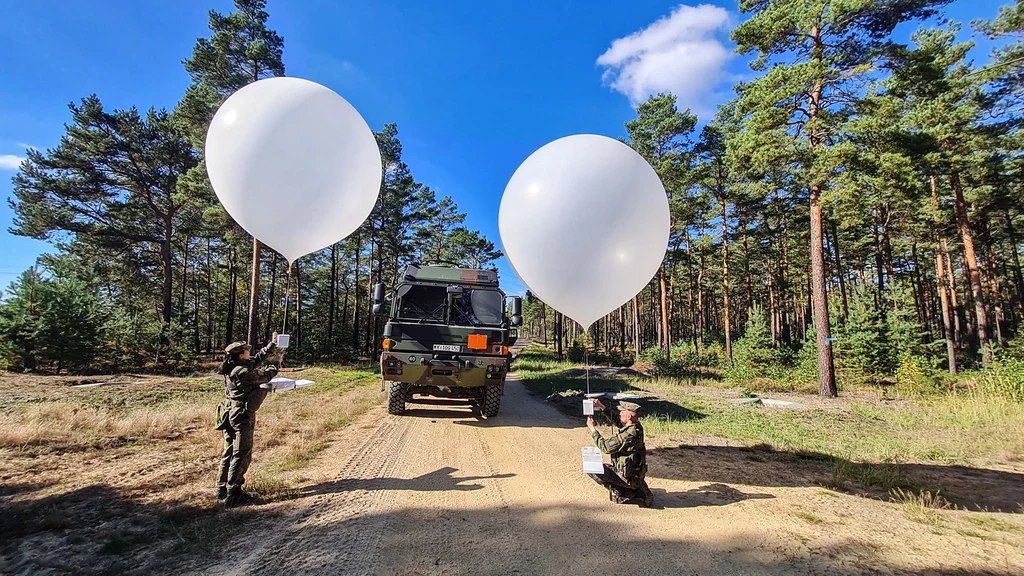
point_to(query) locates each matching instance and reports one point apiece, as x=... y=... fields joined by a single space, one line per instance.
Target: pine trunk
x=254 y=293
x=971 y=261
x=332 y=299
x=725 y=278
x=819 y=301
x=229 y=321
x=298 y=307
x=665 y=335
x=1018 y=278
x=839 y=271
x=355 y=310
x=269 y=326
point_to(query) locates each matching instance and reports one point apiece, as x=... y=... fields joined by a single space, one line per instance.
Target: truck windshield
x=478 y=307
x=419 y=302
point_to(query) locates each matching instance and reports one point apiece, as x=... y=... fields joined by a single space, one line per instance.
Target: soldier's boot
x=617 y=497
x=222 y=492
x=648 y=496
x=238 y=498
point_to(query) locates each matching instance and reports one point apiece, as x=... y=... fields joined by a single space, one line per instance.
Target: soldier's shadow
x=442 y=479
x=715 y=494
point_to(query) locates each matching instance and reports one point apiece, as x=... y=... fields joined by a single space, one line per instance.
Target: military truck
x=448 y=335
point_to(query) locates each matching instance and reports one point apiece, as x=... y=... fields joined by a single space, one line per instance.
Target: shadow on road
x=99 y=529
x=707 y=495
x=967 y=487
x=554 y=539
x=439 y=480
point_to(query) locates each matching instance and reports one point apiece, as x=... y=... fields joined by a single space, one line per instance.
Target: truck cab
x=447 y=334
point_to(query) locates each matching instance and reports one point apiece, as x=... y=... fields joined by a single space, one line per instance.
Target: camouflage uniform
x=236 y=416
x=625 y=477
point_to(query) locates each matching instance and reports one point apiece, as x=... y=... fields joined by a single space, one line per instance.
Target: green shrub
x=575 y=351
x=754 y=355
x=915 y=375
x=650 y=354
x=1004 y=379
x=865 y=351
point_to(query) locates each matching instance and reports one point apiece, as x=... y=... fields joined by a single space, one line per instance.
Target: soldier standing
x=625 y=477
x=236 y=416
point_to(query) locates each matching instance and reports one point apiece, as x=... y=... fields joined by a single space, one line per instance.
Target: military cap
x=630 y=406
x=236 y=348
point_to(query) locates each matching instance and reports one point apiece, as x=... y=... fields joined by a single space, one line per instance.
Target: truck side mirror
x=517 y=311
x=378 y=298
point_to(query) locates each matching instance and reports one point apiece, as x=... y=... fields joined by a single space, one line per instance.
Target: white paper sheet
x=283 y=340
x=593 y=462
x=588 y=407
x=281 y=384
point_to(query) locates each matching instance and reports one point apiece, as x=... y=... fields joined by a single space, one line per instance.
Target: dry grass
x=923 y=507
x=123 y=476
x=67 y=426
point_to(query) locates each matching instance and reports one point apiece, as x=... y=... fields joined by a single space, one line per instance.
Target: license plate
x=447 y=348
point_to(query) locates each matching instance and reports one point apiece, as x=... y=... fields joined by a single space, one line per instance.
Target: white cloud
x=682 y=53
x=27 y=146
x=10 y=161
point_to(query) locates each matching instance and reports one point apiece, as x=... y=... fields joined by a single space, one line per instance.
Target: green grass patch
x=923 y=507
x=810 y=518
x=995 y=524
x=270 y=489
x=300 y=456
x=973 y=534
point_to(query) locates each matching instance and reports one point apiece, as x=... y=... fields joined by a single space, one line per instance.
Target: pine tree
x=865 y=349
x=240 y=50
x=21 y=320
x=663 y=136
x=111 y=184
x=794 y=112
x=754 y=355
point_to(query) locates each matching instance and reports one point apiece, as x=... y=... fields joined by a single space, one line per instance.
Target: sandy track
x=441 y=491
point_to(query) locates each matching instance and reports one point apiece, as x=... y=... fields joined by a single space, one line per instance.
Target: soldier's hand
x=590 y=423
x=597 y=405
x=274 y=338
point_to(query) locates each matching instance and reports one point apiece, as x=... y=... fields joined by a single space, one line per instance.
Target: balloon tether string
x=287 y=296
x=586 y=359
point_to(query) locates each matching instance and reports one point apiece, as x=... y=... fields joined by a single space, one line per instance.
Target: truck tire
x=398 y=394
x=492 y=399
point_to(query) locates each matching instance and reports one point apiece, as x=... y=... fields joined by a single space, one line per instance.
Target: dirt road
x=441 y=491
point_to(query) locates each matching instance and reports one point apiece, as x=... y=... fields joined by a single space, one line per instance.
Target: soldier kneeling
x=625 y=477
x=236 y=416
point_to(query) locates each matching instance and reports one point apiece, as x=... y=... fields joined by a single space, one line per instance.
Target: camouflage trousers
x=237 y=453
x=611 y=480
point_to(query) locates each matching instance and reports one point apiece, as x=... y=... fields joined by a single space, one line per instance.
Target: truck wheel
x=492 y=399
x=398 y=394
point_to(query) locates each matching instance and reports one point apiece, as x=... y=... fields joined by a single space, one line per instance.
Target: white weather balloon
x=293 y=163
x=584 y=222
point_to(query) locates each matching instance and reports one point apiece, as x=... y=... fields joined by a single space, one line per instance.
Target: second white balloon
x=584 y=222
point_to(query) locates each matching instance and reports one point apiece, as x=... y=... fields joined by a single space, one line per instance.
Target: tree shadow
x=439 y=480
x=567 y=398
x=102 y=530
x=586 y=539
x=981 y=489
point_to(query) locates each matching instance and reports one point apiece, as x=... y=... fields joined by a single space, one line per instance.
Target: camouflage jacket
x=242 y=382
x=628 y=452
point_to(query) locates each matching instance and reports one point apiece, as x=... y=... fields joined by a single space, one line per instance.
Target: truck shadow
x=439 y=480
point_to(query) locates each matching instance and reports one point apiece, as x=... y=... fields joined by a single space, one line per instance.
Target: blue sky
x=475 y=87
